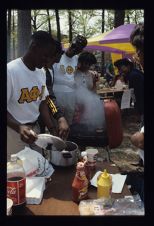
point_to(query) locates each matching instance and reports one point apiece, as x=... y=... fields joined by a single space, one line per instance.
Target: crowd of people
x=41 y=88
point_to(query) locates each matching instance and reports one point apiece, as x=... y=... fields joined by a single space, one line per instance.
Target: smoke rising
x=93 y=108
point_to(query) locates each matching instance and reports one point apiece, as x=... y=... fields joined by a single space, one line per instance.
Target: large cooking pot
x=67 y=157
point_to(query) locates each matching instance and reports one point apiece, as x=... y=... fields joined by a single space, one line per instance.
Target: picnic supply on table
x=45 y=139
x=104 y=185
x=84 y=159
x=35 y=187
x=9 y=207
x=92 y=157
x=104 y=206
x=80 y=184
x=16 y=184
x=36 y=165
x=118 y=181
x=67 y=157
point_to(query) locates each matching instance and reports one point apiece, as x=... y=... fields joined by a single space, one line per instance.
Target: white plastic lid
x=13 y=157
x=83 y=153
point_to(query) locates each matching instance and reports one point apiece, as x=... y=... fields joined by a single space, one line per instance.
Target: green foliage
x=84 y=21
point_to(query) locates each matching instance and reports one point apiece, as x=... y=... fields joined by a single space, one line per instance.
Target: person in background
x=26 y=90
x=49 y=71
x=135 y=80
x=119 y=82
x=109 y=72
x=83 y=75
x=137 y=139
x=64 y=83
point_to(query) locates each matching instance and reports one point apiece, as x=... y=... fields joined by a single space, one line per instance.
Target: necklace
x=83 y=78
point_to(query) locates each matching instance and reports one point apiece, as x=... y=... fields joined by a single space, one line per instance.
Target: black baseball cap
x=124 y=61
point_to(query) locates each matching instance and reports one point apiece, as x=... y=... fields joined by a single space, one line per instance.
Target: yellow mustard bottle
x=104 y=185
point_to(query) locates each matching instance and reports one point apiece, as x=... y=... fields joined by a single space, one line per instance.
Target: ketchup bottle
x=16 y=184
x=80 y=184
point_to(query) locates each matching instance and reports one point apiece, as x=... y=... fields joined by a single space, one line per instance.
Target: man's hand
x=137 y=140
x=27 y=134
x=63 y=128
x=95 y=75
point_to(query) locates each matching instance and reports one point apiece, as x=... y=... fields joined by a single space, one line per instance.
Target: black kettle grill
x=84 y=135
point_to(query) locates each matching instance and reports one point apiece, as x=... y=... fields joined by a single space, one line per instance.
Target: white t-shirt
x=140 y=151
x=64 y=74
x=25 y=91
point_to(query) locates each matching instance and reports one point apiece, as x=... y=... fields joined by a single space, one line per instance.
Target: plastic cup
x=9 y=206
x=92 y=157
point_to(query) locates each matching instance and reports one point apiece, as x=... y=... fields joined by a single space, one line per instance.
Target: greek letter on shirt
x=32 y=95
x=69 y=69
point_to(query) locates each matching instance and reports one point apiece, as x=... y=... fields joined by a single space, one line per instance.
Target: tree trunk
x=119 y=18
x=24 y=31
x=49 y=24
x=34 y=22
x=9 y=36
x=103 y=24
x=70 y=26
x=58 y=25
x=13 y=38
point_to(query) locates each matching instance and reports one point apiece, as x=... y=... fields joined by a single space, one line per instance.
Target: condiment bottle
x=80 y=184
x=86 y=165
x=16 y=184
x=104 y=185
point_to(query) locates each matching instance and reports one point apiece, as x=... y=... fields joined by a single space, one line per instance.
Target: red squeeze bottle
x=16 y=184
x=80 y=184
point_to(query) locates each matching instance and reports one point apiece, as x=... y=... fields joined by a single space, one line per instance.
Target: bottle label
x=83 y=193
x=16 y=190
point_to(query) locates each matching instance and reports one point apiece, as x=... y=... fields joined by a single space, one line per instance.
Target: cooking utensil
x=66 y=157
x=46 y=139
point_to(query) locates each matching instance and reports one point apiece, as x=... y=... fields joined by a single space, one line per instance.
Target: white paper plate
x=45 y=139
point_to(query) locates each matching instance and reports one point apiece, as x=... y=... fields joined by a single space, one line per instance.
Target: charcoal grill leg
x=108 y=153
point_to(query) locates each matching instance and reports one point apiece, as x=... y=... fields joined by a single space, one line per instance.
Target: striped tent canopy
x=115 y=41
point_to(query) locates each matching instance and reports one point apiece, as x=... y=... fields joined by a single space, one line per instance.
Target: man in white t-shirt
x=26 y=90
x=64 y=77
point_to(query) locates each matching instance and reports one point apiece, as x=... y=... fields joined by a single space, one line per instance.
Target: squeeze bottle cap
x=13 y=157
x=105 y=174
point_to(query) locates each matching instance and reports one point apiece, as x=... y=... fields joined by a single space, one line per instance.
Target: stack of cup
x=9 y=206
x=92 y=157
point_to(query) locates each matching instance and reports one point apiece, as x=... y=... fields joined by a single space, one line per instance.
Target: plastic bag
x=123 y=206
x=34 y=163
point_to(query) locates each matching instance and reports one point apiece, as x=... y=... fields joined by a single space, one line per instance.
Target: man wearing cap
x=135 y=79
x=64 y=77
